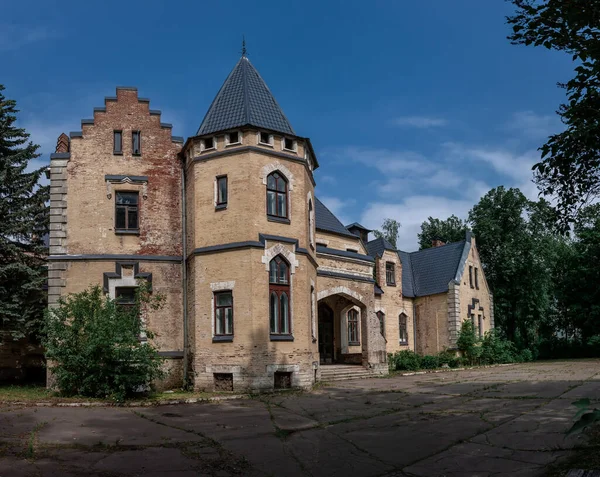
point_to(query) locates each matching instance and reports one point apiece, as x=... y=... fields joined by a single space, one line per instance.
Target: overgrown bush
x=405 y=360
x=95 y=344
x=430 y=362
x=468 y=343
x=450 y=359
x=497 y=350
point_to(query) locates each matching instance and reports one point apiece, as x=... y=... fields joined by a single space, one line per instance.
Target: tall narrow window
x=311 y=224
x=353 y=336
x=118 y=142
x=136 y=143
x=223 y=313
x=476 y=278
x=390 y=273
x=403 y=329
x=470 y=276
x=221 y=191
x=277 y=201
x=480 y=325
x=126 y=211
x=279 y=297
x=381 y=318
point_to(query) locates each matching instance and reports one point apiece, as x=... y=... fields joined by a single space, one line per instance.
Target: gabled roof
x=377 y=246
x=327 y=222
x=357 y=226
x=244 y=99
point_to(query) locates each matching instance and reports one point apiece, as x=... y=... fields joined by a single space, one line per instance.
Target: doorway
x=326 y=343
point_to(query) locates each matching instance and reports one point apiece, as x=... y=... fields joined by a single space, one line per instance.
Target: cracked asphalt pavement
x=507 y=420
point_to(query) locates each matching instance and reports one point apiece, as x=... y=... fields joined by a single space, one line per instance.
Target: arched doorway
x=326 y=338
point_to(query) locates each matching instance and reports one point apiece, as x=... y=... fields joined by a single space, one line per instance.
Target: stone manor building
x=264 y=286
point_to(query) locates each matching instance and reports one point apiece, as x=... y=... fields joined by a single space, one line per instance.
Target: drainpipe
x=184 y=275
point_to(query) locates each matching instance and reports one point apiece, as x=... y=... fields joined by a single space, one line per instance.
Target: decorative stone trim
x=58 y=225
x=277 y=166
x=134 y=180
x=313 y=311
x=340 y=290
x=220 y=286
x=279 y=249
x=453 y=313
x=110 y=279
x=353 y=273
x=492 y=322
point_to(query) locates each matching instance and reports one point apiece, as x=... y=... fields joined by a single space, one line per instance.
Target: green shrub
x=405 y=360
x=450 y=359
x=430 y=362
x=95 y=348
x=496 y=350
x=468 y=343
x=526 y=356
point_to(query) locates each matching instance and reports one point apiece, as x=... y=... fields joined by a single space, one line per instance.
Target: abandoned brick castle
x=263 y=284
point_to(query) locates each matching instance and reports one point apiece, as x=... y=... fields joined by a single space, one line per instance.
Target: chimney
x=436 y=242
x=63 y=143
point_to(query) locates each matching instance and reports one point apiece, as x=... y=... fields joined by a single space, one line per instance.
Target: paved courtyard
x=507 y=420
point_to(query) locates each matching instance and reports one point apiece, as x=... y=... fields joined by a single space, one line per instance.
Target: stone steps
x=344 y=372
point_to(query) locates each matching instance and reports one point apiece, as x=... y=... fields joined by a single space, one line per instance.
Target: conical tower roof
x=244 y=99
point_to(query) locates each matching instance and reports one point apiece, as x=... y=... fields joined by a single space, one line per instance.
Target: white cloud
x=14 y=37
x=421 y=122
x=411 y=213
x=533 y=125
x=387 y=161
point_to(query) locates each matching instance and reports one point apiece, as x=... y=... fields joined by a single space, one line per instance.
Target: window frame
x=260 y=141
x=471 y=276
x=476 y=278
x=390 y=274
x=203 y=144
x=127 y=229
x=223 y=307
x=311 y=224
x=228 y=141
x=127 y=304
x=284 y=146
x=403 y=329
x=118 y=152
x=278 y=193
x=139 y=136
x=279 y=286
x=381 y=316
x=480 y=326
x=218 y=203
x=353 y=324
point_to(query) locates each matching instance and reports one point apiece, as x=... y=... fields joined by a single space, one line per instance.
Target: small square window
x=265 y=138
x=289 y=144
x=282 y=380
x=208 y=143
x=222 y=191
x=234 y=138
x=223 y=381
x=136 y=143
x=125 y=298
x=118 y=142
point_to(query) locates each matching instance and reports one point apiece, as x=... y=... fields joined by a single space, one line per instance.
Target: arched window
x=353 y=336
x=279 y=296
x=403 y=329
x=381 y=317
x=277 y=195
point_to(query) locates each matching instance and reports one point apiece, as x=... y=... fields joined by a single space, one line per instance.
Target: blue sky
x=414 y=108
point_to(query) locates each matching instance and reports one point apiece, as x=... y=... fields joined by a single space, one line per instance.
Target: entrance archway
x=326 y=336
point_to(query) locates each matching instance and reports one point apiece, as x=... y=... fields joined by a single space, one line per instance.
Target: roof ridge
x=245 y=89
x=436 y=248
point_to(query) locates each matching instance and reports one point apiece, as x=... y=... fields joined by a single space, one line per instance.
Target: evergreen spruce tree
x=24 y=221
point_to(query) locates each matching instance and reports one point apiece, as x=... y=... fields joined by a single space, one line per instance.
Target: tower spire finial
x=244 y=51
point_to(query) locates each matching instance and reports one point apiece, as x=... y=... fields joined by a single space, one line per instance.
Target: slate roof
x=358 y=226
x=377 y=246
x=327 y=222
x=244 y=99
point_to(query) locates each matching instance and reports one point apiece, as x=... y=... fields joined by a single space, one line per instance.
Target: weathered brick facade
x=194 y=246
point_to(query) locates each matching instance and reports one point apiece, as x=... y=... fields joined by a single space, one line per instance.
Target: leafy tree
x=468 y=343
x=24 y=213
x=389 y=231
x=570 y=165
x=95 y=344
x=517 y=250
x=452 y=229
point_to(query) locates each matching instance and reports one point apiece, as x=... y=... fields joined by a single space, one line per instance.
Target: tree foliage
x=452 y=229
x=570 y=165
x=96 y=345
x=23 y=224
x=389 y=231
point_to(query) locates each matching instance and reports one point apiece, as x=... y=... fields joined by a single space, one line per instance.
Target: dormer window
x=289 y=144
x=207 y=143
x=265 y=138
x=233 y=138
